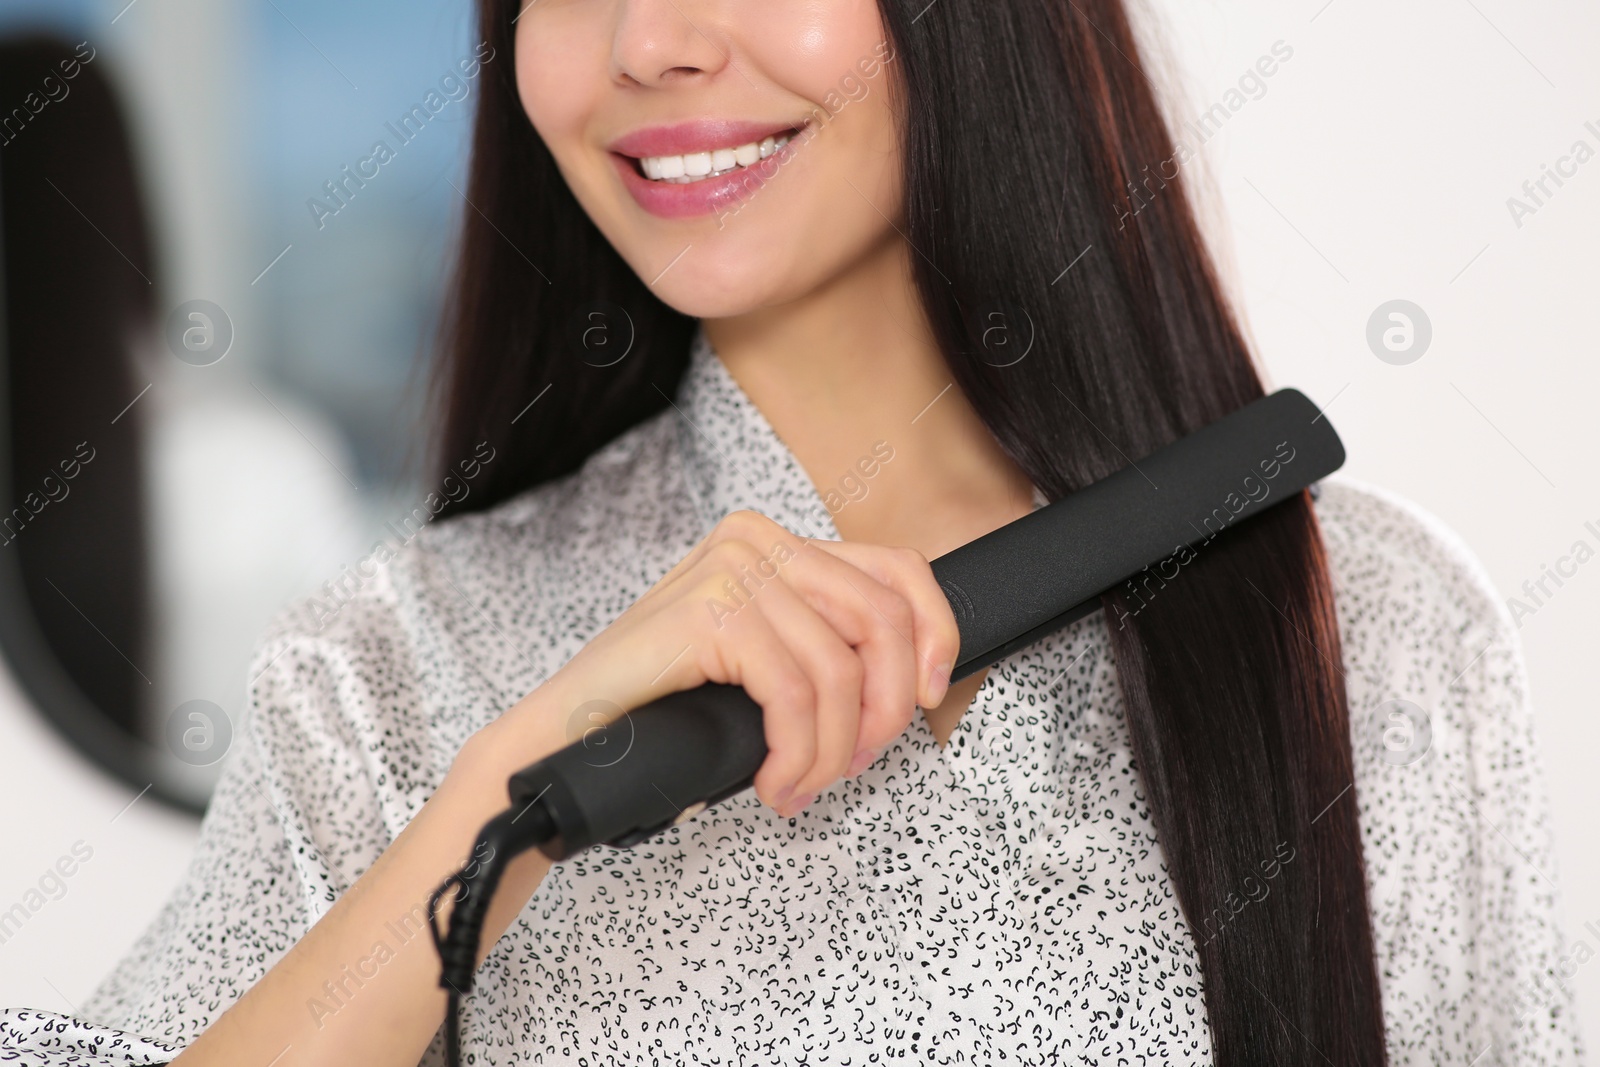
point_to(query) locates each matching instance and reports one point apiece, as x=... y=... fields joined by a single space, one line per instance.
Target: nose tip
x=665 y=42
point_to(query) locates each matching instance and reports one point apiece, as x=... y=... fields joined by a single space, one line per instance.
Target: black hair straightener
x=1009 y=588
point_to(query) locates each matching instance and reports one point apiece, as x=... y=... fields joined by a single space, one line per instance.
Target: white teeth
x=697 y=165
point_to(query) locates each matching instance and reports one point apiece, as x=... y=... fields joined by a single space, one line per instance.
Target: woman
x=715 y=429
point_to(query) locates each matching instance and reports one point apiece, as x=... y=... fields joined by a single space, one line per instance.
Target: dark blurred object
x=79 y=296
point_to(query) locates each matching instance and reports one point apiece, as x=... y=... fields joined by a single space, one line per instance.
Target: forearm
x=362 y=986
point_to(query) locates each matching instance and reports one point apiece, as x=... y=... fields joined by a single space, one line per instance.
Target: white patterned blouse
x=1003 y=899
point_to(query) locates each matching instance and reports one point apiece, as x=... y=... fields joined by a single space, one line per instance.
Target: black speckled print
x=1000 y=901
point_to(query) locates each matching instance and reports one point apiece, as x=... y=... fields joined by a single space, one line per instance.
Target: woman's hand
x=837 y=641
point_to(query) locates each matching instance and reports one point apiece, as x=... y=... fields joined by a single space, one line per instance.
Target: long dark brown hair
x=1027 y=129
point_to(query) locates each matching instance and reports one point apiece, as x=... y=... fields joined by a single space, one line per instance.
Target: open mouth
x=698 y=166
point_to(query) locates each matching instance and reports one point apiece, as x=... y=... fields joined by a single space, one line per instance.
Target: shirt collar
x=734 y=458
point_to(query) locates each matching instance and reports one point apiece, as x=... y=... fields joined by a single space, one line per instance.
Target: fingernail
x=799 y=805
x=865 y=758
x=781 y=801
x=941 y=682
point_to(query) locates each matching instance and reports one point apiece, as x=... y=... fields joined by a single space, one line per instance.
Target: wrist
x=525 y=733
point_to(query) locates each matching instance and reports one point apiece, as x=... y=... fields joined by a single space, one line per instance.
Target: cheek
x=815 y=49
x=561 y=65
x=821 y=52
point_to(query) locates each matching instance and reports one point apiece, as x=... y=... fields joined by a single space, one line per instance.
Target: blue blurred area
x=356 y=309
x=64 y=16
x=350 y=312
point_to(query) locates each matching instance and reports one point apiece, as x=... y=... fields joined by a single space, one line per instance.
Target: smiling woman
x=1017 y=868
x=768 y=71
x=708 y=152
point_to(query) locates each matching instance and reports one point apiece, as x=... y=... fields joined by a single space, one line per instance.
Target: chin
x=714 y=293
x=720 y=278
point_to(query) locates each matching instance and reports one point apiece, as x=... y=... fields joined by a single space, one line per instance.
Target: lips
x=723 y=194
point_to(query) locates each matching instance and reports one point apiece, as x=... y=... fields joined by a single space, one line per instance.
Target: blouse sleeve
x=1525 y=1003
x=295 y=818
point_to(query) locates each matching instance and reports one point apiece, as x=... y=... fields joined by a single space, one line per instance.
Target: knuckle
x=725 y=558
x=793 y=693
x=745 y=523
x=898 y=611
x=952 y=628
x=911 y=559
x=842 y=670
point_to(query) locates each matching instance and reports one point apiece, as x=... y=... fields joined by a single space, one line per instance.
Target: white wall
x=1377 y=165
x=136 y=849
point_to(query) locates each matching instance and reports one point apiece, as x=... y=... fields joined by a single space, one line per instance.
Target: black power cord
x=502 y=839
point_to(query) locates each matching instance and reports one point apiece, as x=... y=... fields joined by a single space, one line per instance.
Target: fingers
x=809 y=752
x=865 y=634
x=810 y=728
x=936 y=638
x=878 y=623
x=756 y=656
x=875 y=620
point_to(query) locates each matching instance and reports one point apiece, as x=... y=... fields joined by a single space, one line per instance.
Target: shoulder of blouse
x=1382 y=544
x=574 y=519
x=1455 y=813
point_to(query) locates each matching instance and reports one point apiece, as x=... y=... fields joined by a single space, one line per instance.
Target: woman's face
x=682 y=87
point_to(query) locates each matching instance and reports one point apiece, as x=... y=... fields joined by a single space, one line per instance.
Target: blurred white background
x=1374 y=164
